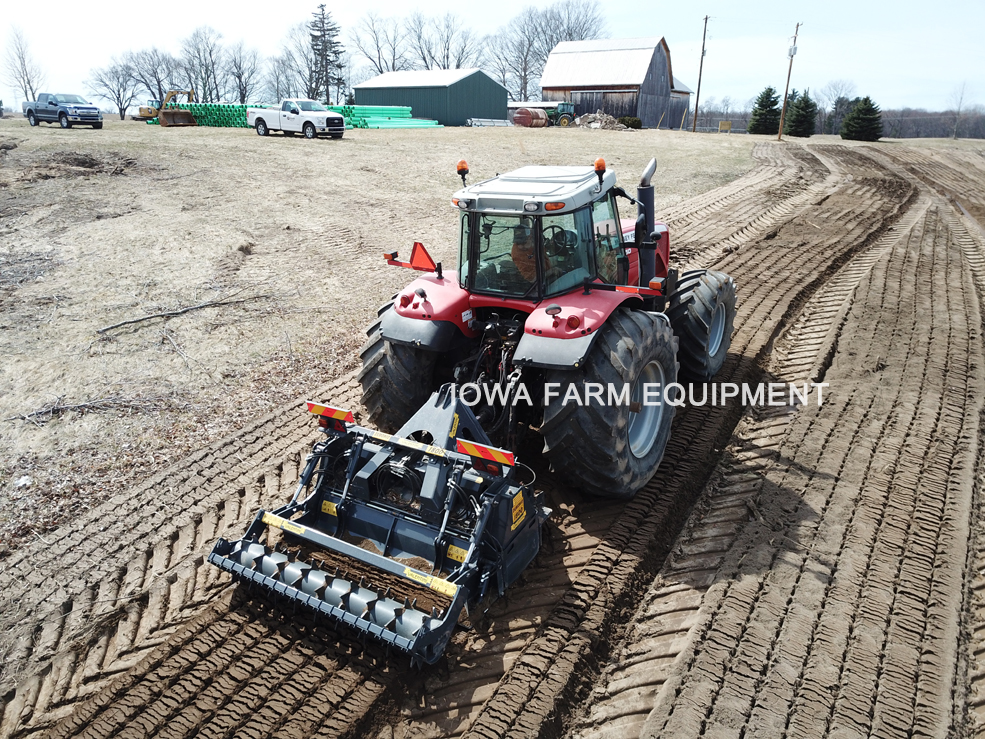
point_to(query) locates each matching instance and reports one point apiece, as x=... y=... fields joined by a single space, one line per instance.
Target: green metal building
x=449 y=96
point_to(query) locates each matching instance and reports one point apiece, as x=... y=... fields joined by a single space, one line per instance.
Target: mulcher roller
x=396 y=535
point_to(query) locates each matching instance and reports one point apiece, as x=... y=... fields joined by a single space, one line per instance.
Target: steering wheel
x=561 y=241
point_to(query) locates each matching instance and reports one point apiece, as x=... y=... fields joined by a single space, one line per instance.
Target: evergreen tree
x=765 y=116
x=863 y=123
x=327 y=51
x=801 y=117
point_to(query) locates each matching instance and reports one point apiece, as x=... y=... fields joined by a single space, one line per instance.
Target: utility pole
x=701 y=66
x=792 y=53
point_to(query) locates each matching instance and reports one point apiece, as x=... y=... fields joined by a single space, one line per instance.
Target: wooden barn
x=622 y=77
x=449 y=96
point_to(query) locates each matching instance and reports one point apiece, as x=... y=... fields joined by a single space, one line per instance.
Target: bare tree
x=831 y=102
x=383 y=42
x=569 y=20
x=279 y=79
x=154 y=69
x=301 y=64
x=518 y=52
x=514 y=56
x=957 y=98
x=243 y=70
x=21 y=69
x=203 y=63
x=115 y=83
x=442 y=43
x=420 y=41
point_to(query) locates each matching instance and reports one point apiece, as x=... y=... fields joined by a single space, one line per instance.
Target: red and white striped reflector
x=481 y=451
x=336 y=414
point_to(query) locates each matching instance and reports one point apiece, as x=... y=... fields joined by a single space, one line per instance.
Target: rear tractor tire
x=397 y=379
x=613 y=449
x=702 y=311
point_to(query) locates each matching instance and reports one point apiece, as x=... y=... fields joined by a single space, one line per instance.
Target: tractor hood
x=527 y=190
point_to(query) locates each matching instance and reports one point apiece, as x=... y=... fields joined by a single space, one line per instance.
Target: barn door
x=587 y=102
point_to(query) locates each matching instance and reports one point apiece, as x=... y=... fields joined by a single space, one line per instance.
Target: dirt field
x=805 y=570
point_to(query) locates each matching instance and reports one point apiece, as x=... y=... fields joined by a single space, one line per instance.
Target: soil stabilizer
x=396 y=535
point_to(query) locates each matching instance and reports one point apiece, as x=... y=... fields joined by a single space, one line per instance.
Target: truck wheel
x=309 y=131
x=396 y=380
x=64 y=122
x=31 y=119
x=702 y=310
x=564 y=120
x=261 y=128
x=605 y=448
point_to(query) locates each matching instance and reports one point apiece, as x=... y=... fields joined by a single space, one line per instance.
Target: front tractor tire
x=613 y=449
x=702 y=311
x=396 y=379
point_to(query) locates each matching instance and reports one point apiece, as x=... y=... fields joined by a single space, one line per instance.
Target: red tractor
x=561 y=318
x=556 y=322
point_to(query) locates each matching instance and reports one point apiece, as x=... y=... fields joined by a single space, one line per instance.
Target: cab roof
x=535 y=186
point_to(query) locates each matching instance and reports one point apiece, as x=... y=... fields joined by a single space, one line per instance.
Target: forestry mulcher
x=562 y=321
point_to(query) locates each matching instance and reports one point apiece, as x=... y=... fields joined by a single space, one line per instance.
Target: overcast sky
x=902 y=53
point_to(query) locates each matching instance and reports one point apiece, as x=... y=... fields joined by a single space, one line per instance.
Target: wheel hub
x=717 y=331
x=643 y=425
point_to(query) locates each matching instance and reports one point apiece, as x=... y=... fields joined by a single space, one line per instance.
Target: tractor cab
x=540 y=231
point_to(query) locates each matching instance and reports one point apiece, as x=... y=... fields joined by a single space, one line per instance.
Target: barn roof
x=679 y=86
x=605 y=62
x=419 y=78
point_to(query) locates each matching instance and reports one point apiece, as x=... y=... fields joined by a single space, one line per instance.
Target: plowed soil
x=809 y=569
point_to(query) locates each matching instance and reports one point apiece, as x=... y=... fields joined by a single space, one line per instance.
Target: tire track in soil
x=555 y=666
x=663 y=625
x=35 y=704
x=834 y=610
x=120 y=593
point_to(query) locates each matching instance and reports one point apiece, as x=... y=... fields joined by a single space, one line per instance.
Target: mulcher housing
x=416 y=527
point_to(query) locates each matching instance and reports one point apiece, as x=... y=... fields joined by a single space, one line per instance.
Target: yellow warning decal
x=434 y=451
x=435 y=583
x=282 y=523
x=456 y=553
x=328 y=507
x=454 y=428
x=519 y=512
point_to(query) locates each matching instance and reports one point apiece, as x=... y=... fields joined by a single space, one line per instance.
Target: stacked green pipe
x=216 y=115
x=381 y=116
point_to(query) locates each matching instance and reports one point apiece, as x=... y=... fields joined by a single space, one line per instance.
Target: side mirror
x=52 y=102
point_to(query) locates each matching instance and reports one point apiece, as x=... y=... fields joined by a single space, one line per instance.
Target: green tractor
x=562 y=115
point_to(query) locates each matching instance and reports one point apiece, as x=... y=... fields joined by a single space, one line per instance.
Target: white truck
x=297 y=115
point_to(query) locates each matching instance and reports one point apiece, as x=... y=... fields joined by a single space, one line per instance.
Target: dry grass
x=99 y=227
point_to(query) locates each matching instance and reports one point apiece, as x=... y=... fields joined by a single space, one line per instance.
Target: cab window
x=608 y=243
x=567 y=250
x=506 y=255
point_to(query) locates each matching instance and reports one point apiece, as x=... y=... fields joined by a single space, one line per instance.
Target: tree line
x=315 y=62
x=826 y=111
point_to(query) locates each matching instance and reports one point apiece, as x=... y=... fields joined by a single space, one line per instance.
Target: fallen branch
x=99 y=404
x=180 y=311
